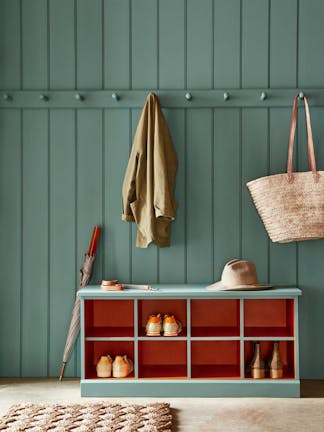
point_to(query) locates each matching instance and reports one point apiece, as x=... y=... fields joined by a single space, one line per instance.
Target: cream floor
x=193 y=414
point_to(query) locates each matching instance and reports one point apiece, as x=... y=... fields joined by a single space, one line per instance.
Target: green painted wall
x=62 y=169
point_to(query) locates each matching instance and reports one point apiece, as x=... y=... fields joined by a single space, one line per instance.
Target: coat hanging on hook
x=147 y=194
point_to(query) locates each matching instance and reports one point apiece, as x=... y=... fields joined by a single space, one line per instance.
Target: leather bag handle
x=311 y=153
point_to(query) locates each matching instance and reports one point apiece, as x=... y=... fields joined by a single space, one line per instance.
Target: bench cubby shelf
x=210 y=356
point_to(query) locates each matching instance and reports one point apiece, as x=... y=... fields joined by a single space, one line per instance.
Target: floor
x=194 y=414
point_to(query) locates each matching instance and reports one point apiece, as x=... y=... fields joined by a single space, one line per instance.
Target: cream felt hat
x=238 y=275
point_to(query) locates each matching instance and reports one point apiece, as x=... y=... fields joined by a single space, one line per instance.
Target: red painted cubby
x=215 y=359
x=178 y=308
x=270 y=317
x=112 y=318
x=287 y=354
x=95 y=349
x=162 y=359
x=215 y=317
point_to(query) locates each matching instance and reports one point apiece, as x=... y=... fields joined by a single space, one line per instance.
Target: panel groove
x=269 y=41
x=185 y=198
x=21 y=244
x=158 y=86
x=212 y=186
x=75 y=45
x=157 y=44
x=20 y=45
x=297 y=46
x=212 y=54
x=241 y=44
x=48 y=235
x=130 y=225
x=103 y=198
x=48 y=43
x=185 y=47
x=130 y=46
x=268 y=166
x=240 y=186
x=76 y=283
x=103 y=45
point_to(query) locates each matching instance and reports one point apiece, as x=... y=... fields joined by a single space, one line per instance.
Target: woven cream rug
x=99 y=417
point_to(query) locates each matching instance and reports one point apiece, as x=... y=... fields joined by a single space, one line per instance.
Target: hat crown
x=239 y=272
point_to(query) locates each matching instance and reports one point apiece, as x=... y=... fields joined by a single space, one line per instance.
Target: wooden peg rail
x=262 y=98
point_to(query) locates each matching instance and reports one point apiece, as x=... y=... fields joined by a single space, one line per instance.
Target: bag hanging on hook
x=291 y=205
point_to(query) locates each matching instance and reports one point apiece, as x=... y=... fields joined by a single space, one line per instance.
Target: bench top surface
x=186 y=291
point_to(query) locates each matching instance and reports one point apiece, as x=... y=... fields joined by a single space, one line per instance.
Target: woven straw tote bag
x=291 y=205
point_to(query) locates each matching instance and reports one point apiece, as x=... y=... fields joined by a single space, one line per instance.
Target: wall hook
x=301 y=95
x=43 y=97
x=263 y=96
x=115 y=96
x=79 y=97
x=226 y=96
x=6 y=97
x=188 y=96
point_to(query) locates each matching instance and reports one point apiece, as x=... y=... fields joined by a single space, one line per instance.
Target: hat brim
x=218 y=286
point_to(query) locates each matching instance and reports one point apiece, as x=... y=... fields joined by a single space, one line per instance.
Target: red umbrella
x=85 y=275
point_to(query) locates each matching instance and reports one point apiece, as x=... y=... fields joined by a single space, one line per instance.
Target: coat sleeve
x=165 y=167
x=129 y=187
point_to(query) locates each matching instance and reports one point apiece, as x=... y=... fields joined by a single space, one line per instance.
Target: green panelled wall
x=61 y=169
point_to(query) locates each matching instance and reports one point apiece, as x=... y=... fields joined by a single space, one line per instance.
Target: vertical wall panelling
x=89 y=44
x=89 y=183
x=62 y=169
x=144 y=75
x=62 y=44
x=89 y=189
x=199 y=44
x=254 y=148
x=255 y=43
x=10 y=44
x=172 y=260
x=35 y=243
x=10 y=238
x=63 y=275
x=310 y=254
x=227 y=187
x=172 y=53
x=63 y=272
x=227 y=44
x=255 y=51
x=283 y=43
x=117 y=233
x=310 y=261
x=282 y=256
x=116 y=44
x=144 y=44
x=144 y=261
x=199 y=195
x=171 y=44
x=283 y=58
x=311 y=35
x=10 y=194
x=34 y=44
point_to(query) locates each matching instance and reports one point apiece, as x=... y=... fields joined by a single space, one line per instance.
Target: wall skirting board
x=62 y=159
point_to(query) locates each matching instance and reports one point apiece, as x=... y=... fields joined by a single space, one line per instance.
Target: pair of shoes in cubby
x=121 y=367
x=169 y=326
x=260 y=368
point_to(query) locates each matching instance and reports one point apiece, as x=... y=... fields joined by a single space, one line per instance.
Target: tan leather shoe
x=122 y=366
x=104 y=366
x=154 y=325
